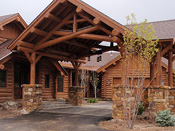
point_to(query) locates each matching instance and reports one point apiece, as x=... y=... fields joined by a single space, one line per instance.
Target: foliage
x=138 y=50
x=140 y=108
x=84 y=76
x=92 y=100
x=164 y=118
x=94 y=80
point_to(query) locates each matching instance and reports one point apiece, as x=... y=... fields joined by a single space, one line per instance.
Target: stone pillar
x=158 y=98
x=32 y=97
x=76 y=95
x=118 y=102
x=172 y=100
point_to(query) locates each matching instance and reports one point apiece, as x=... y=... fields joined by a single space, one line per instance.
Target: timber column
x=152 y=67
x=170 y=68
x=33 y=68
x=159 y=67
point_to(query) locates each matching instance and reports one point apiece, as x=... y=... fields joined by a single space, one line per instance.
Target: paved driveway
x=84 y=118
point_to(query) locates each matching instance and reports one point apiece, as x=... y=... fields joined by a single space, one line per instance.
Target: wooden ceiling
x=68 y=30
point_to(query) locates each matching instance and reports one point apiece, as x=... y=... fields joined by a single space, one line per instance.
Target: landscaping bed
x=140 y=125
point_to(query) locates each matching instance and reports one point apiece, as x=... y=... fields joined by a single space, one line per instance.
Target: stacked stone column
x=76 y=95
x=32 y=97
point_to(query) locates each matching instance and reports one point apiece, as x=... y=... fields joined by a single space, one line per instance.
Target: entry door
x=21 y=76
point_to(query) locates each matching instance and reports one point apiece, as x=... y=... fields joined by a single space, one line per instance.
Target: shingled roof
x=6 y=17
x=164 y=29
x=4 y=50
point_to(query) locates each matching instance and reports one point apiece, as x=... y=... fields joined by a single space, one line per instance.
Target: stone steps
x=54 y=104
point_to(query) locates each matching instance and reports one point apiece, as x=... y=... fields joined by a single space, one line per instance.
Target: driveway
x=84 y=118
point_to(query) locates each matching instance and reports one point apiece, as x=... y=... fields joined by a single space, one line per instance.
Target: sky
x=153 y=10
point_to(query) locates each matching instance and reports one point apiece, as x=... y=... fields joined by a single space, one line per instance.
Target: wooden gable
x=69 y=30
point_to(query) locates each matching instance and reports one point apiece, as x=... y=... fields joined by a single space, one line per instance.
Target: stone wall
x=118 y=101
x=32 y=97
x=158 y=98
x=155 y=99
x=76 y=95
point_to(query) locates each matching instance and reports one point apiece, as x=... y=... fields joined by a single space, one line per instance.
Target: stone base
x=76 y=95
x=32 y=97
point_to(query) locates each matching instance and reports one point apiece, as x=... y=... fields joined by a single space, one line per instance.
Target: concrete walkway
x=84 y=118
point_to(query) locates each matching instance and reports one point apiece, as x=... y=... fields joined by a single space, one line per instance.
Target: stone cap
x=160 y=87
x=77 y=87
x=32 y=85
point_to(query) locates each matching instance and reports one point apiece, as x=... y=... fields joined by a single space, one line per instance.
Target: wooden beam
x=1 y=28
x=38 y=31
x=25 y=44
x=96 y=21
x=33 y=68
x=60 y=68
x=159 y=68
x=101 y=27
x=25 y=49
x=38 y=58
x=64 y=38
x=115 y=32
x=78 y=21
x=60 y=57
x=89 y=36
x=76 y=44
x=75 y=25
x=79 y=10
x=52 y=17
x=58 y=52
x=152 y=68
x=170 y=69
x=166 y=49
x=2 y=66
x=28 y=57
x=62 y=23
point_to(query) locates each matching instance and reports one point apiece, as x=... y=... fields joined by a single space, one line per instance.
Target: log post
x=76 y=74
x=152 y=66
x=33 y=68
x=158 y=68
x=170 y=68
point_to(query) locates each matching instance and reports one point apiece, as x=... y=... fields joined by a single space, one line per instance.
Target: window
x=46 y=81
x=60 y=84
x=2 y=78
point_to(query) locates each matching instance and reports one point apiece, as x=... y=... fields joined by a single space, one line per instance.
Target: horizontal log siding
x=6 y=93
x=45 y=69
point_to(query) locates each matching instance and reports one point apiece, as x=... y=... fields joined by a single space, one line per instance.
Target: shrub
x=164 y=118
x=92 y=100
x=141 y=108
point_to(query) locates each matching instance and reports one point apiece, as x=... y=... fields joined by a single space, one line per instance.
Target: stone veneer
x=76 y=95
x=32 y=97
x=155 y=98
x=158 y=98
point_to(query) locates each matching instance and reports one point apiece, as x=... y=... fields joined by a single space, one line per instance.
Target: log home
x=67 y=30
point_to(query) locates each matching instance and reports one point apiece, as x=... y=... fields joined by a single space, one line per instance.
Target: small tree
x=139 y=50
x=84 y=76
x=94 y=80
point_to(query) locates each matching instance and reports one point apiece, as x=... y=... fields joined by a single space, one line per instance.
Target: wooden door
x=21 y=76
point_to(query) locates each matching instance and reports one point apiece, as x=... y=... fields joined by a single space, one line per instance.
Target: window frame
x=47 y=86
x=62 y=84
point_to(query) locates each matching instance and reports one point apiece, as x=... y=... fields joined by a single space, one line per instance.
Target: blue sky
x=153 y=10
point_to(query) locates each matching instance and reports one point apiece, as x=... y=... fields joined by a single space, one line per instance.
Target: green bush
x=92 y=100
x=164 y=118
x=141 y=108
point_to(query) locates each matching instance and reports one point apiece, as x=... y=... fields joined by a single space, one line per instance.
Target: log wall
x=10 y=31
x=7 y=93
